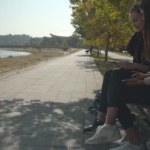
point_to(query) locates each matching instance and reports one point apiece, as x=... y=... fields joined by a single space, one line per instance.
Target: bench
x=96 y=52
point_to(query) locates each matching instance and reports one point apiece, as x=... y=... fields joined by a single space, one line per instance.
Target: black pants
x=116 y=94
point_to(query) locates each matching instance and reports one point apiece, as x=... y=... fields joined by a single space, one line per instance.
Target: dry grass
x=105 y=66
x=10 y=63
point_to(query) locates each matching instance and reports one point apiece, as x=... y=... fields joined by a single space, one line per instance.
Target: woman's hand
x=125 y=65
x=133 y=81
x=139 y=75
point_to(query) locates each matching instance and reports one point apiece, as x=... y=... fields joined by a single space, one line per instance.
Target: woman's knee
x=120 y=74
x=107 y=74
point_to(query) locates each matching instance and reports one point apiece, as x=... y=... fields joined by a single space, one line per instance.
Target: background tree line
x=103 y=23
x=53 y=41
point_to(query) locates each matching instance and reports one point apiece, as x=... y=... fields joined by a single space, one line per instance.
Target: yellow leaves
x=94 y=18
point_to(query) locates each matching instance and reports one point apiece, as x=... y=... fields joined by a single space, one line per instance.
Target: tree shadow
x=86 y=55
x=91 y=66
x=41 y=124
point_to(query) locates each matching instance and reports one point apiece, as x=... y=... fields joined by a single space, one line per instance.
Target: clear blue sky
x=36 y=18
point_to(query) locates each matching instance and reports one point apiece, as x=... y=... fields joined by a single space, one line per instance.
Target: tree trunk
x=107 y=45
x=99 y=49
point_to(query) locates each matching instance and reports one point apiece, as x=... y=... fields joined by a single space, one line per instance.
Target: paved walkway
x=117 y=56
x=43 y=107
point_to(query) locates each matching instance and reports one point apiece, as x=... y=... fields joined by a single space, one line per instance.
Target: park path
x=43 y=107
x=117 y=56
x=63 y=79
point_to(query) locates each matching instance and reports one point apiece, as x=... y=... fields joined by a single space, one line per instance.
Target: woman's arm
x=138 y=79
x=141 y=67
x=134 y=66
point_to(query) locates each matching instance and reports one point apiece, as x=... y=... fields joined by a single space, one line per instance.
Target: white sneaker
x=104 y=134
x=128 y=146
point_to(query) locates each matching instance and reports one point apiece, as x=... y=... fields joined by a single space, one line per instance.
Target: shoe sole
x=109 y=141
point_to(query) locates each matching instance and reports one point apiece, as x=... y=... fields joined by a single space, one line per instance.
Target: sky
x=36 y=18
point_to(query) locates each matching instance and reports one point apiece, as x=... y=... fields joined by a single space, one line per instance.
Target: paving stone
x=42 y=107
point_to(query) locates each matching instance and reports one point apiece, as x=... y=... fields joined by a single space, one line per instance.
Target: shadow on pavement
x=87 y=65
x=86 y=55
x=41 y=124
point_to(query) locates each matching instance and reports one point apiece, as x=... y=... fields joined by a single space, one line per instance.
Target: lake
x=8 y=53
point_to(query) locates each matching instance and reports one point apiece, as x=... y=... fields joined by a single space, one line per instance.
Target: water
x=8 y=53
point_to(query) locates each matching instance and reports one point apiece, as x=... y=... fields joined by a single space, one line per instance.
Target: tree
x=96 y=20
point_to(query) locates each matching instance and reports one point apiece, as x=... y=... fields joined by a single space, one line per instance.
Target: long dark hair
x=145 y=6
x=135 y=8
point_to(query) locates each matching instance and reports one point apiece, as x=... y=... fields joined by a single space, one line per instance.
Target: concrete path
x=117 y=56
x=43 y=107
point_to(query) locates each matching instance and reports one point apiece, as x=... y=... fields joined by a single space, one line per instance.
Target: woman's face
x=137 y=21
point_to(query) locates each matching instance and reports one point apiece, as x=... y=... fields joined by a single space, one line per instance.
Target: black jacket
x=135 y=48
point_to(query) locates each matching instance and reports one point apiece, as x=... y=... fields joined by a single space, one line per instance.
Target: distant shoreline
x=19 y=62
x=4 y=53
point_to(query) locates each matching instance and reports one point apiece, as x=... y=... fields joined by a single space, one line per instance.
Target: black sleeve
x=130 y=48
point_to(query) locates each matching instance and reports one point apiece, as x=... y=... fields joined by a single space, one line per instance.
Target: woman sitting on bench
x=123 y=87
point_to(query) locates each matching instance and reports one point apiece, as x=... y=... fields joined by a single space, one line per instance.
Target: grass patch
x=105 y=66
x=11 y=63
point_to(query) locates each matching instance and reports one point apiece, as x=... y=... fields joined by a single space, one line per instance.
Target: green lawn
x=104 y=66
